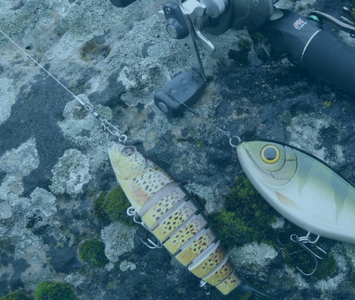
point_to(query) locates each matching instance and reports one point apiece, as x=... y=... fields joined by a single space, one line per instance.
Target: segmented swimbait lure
x=301 y=188
x=169 y=212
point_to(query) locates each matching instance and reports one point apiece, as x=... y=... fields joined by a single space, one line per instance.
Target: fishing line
x=113 y=130
x=43 y=68
x=87 y=105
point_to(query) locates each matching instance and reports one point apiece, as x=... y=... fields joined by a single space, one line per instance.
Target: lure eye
x=270 y=154
x=128 y=151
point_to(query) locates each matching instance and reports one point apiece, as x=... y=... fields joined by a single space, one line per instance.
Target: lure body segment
x=173 y=217
x=301 y=188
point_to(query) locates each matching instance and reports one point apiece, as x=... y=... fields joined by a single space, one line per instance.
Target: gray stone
x=64 y=260
x=118 y=239
x=53 y=152
x=7 y=98
x=71 y=173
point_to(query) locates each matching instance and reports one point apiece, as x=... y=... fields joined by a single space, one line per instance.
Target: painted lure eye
x=270 y=154
x=128 y=151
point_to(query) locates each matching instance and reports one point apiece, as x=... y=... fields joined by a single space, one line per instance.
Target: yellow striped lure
x=167 y=210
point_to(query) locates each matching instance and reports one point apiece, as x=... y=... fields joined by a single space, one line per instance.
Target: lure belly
x=169 y=212
x=301 y=188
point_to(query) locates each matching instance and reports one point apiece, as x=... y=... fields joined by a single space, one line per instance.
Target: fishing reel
x=302 y=39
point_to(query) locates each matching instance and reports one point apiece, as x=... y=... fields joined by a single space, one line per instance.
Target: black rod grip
x=332 y=60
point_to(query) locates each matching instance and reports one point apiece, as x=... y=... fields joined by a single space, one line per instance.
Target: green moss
x=245 y=217
x=112 y=206
x=244 y=45
x=54 y=291
x=257 y=37
x=93 y=252
x=99 y=209
x=15 y=296
x=241 y=56
x=295 y=257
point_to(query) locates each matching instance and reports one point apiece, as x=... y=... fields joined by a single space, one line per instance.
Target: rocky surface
x=53 y=153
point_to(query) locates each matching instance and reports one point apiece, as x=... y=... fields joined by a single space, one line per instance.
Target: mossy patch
x=241 y=56
x=54 y=291
x=245 y=217
x=112 y=206
x=93 y=252
x=15 y=296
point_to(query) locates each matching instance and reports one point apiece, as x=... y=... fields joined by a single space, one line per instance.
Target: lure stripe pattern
x=173 y=217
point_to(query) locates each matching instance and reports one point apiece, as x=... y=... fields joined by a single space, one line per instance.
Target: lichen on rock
x=70 y=173
x=7 y=98
x=253 y=255
x=118 y=239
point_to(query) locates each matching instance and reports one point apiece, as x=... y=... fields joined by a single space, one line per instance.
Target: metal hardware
x=302 y=241
x=206 y=286
x=131 y=212
x=214 y=8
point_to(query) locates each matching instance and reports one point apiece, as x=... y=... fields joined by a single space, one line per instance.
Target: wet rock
x=53 y=152
x=4 y=284
x=64 y=260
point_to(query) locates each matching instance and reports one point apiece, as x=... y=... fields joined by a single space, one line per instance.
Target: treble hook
x=302 y=241
x=151 y=245
x=207 y=287
x=131 y=211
